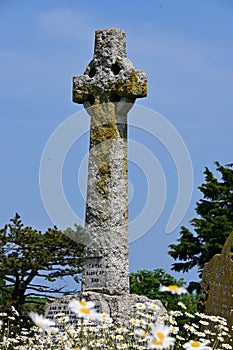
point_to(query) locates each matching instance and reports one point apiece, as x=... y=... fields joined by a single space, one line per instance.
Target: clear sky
x=186 y=49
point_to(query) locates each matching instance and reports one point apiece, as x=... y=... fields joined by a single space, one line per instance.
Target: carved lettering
x=94 y=273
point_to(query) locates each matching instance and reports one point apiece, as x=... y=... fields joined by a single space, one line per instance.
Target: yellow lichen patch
x=80 y=95
x=102 y=114
x=104 y=174
x=134 y=87
x=102 y=134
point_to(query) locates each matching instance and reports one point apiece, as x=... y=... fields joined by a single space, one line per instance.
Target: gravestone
x=217 y=284
x=108 y=89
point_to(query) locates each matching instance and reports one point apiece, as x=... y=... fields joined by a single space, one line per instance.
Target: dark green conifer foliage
x=213 y=224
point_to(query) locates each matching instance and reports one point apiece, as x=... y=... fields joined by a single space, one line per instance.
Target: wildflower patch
x=144 y=330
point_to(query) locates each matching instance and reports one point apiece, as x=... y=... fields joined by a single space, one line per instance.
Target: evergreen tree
x=213 y=224
x=26 y=253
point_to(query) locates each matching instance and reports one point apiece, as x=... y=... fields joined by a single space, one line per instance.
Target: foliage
x=213 y=224
x=26 y=253
x=2 y=293
x=35 y=304
x=147 y=283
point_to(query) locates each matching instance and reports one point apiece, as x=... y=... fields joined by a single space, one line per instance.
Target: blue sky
x=184 y=46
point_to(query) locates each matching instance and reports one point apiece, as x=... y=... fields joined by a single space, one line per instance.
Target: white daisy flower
x=141 y=333
x=43 y=323
x=173 y=289
x=122 y=346
x=153 y=307
x=84 y=309
x=119 y=337
x=161 y=339
x=134 y=321
x=182 y=305
x=140 y=306
x=195 y=344
x=106 y=318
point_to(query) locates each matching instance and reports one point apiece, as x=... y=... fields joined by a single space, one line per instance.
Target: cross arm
x=130 y=84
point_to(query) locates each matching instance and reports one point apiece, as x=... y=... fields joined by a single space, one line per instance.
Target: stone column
x=108 y=89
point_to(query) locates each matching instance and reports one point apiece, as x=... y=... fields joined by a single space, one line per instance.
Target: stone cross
x=108 y=89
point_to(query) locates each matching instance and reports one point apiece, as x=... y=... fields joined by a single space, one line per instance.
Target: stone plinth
x=109 y=304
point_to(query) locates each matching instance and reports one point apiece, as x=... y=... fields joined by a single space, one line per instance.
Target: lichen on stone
x=102 y=133
x=102 y=176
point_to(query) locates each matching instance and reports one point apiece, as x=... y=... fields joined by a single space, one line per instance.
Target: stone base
x=109 y=304
x=122 y=304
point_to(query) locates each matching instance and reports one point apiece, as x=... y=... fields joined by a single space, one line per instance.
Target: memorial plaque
x=60 y=305
x=95 y=273
x=217 y=284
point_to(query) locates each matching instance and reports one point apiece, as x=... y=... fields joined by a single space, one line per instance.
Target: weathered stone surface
x=107 y=90
x=104 y=303
x=110 y=76
x=217 y=284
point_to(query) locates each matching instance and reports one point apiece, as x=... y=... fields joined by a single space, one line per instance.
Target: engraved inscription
x=95 y=273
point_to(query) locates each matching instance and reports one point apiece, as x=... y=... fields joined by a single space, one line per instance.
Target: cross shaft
x=107 y=90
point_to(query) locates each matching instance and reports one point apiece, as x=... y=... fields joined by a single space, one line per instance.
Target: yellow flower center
x=83 y=303
x=196 y=344
x=85 y=310
x=173 y=287
x=160 y=335
x=143 y=333
x=157 y=342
